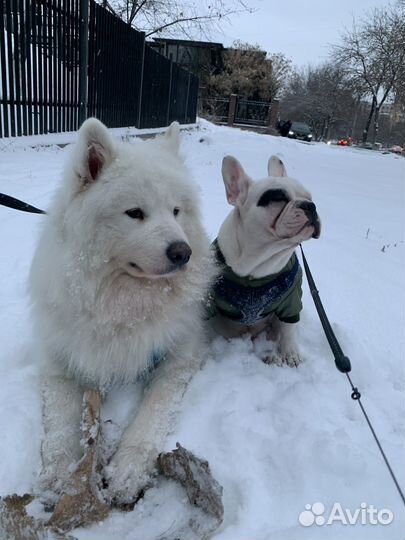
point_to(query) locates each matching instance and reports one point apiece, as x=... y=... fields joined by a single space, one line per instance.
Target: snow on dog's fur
x=117 y=281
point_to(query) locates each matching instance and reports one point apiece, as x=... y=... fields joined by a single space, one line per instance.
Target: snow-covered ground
x=277 y=438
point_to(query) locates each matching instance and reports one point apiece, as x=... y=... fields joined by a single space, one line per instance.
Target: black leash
x=343 y=364
x=11 y=202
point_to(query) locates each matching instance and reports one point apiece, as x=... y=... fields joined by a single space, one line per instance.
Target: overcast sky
x=301 y=29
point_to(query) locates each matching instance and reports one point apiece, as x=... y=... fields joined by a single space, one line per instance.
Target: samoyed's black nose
x=178 y=253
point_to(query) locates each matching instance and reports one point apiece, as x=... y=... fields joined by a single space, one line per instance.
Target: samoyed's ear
x=236 y=181
x=95 y=150
x=172 y=137
x=275 y=167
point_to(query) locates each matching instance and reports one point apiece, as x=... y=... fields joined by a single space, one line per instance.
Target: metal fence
x=244 y=112
x=252 y=112
x=58 y=66
x=215 y=108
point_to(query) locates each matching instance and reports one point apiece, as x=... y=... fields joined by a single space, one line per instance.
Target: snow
x=276 y=438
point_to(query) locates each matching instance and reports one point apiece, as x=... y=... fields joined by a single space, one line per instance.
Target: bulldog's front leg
x=134 y=462
x=287 y=344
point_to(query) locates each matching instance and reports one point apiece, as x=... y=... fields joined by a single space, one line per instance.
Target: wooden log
x=16 y=524
x=195 y=476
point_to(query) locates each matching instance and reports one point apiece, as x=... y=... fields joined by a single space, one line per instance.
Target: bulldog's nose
x=179 y=253
x=308 y=207
x=310 y=210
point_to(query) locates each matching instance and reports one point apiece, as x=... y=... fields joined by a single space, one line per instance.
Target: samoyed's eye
x=136 y=213
x=176 y=211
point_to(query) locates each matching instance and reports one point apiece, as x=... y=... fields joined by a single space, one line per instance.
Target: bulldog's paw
x=287 y=347
x=128 y=473
x=272 y=358
x=291 y=358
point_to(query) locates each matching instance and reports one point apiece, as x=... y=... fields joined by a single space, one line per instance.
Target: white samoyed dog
x=117 y=283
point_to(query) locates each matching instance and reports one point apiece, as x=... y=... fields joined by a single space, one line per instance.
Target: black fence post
x=188 y=94
x=141 y=85
x=10 y=69
x=83 y=59
x=4 y=91
x=170 y=90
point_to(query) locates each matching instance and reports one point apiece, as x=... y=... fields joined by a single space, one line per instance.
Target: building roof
x=205 y=44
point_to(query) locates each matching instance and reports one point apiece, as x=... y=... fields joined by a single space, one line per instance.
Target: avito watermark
x=365 y=514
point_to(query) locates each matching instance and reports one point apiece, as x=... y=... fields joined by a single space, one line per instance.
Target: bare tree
x=280 y=71
x=193 y=19
x=322 y=97
x=400 y=88
x=400 y=83
x=373 y=52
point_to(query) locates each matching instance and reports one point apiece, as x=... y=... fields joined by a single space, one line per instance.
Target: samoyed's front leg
x=62 y=404
x=135 y=459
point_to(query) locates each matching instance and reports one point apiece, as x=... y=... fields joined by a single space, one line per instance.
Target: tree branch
x=181 y=20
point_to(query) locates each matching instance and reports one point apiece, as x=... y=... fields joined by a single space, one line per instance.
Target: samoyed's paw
x=130 y=470
x=272 y=358
x=49 y=485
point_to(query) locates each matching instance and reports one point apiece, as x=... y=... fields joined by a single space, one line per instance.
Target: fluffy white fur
x=106 y=297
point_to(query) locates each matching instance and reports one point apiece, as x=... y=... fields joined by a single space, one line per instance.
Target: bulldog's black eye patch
x=272 y=195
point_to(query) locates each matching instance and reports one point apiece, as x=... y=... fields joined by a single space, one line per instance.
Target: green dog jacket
x=247 y=300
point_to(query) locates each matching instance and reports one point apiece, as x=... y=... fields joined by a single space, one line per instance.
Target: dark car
x=345 y=141
x=299 y=130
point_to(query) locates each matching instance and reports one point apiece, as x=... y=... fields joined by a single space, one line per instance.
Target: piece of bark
x=195 y=476
x=16 y=524
x=80 y=504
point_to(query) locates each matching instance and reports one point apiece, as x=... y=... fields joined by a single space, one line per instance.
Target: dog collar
x=155 y=359
x=247 y=300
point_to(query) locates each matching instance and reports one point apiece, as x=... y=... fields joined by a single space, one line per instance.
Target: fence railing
x=234 y=110
x=252 y=112
x=42 y=65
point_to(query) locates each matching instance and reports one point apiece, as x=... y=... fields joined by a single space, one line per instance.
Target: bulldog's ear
x=275 y=167
x=172 y=137
x=236 y=181
x=95 y=150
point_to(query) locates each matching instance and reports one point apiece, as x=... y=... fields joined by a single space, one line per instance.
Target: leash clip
x=355 y=394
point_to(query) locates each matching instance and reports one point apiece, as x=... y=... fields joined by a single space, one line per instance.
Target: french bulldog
x=259 y=285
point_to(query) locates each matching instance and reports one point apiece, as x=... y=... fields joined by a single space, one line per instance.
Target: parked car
x=345 y=141
x=299 y=130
